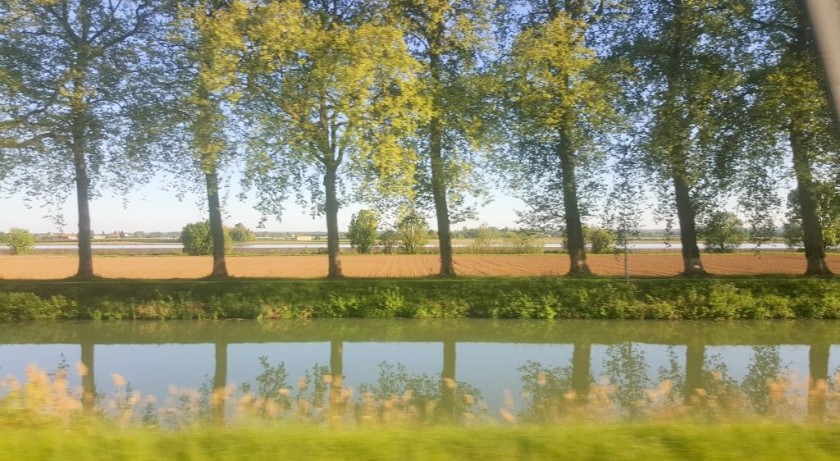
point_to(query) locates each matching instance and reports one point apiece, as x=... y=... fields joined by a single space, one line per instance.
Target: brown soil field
x=179 y=267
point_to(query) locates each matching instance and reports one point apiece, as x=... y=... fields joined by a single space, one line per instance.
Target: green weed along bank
x=626 y=442
x=533 y=298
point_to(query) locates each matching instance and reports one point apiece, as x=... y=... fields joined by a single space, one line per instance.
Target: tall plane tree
x=792 y=108
x=331 y=86
x=562 y=100
x=686 y=53
x=184 y=122
x=80 y=57
x=448 y=38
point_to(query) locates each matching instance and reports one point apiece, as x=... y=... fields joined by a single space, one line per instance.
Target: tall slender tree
x=562 y=98
x=331 y=85
x=80 y=56
x=687 y=55
x=448 y=38
x=183 y=125
x=792 y=109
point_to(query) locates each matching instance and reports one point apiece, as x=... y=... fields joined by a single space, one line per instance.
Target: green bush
x=425 y=298
x=600 y=240
x=239 y=233
x=198 y=240
x=413 y=232
x=362 y=230
x=29 y=306
x=20 y=241
x=722 y=232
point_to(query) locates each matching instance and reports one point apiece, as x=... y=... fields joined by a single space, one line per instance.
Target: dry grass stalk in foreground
x=47 y=399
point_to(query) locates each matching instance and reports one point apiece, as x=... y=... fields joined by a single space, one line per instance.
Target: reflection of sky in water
x=15 y=358
x=361 y=360
x=297 y=359
x=492 y=367
x=142 y=365
x=833 y=361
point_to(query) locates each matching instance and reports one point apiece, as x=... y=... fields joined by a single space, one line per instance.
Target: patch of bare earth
x=190 y=267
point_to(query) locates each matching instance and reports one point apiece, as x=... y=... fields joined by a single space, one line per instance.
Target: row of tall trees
x=396 y=101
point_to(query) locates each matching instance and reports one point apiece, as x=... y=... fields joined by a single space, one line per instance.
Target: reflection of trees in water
x=549 y=389
x=272 y=395
x=271 y=387
x=626 y=369
x=706 y=386
x=673 y=372
x=766 y=381
x=400 y=395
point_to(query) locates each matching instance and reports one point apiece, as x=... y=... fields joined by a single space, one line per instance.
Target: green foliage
x=20 y=241
x=362 y=231
x=198 y=241
x=722 y=232
x=361 y=60
x=484 y=236
x=15 y=306
x=600 y=240
x=240 y=234
x=828 y=214
x=412 y=232
x=543 y=298
x=388 y=240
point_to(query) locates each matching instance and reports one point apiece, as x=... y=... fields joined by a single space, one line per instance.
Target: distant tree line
x=582 y=107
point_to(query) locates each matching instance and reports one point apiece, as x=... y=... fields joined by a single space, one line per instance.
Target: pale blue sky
x=151 y=209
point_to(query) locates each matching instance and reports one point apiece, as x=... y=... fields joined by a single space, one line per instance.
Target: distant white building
x=303 y=238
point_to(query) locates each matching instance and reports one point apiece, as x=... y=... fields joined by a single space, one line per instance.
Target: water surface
x=519 y=369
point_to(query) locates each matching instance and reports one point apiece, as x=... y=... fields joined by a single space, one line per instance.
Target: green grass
x=612 y=442
x=528 y=298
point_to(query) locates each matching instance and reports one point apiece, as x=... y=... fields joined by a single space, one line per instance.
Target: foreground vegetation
x=546 y=298
x=626 y=442
x=43 y=418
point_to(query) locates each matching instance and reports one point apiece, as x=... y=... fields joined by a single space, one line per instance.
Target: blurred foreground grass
x=44 y=418
x=770 y=441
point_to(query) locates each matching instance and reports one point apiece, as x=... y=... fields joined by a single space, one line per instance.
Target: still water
x=516 y=369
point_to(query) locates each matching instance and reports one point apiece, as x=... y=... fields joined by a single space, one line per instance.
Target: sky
x=150 y=208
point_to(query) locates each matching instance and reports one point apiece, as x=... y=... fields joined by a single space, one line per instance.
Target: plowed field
x=170 y=267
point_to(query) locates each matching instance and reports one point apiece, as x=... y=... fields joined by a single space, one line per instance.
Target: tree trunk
x=88 y=378
x=812 y=237
x=79 y=146
x=695 y=357
x=448 y=385
x=218 y=397
x=217 y=229
x=581 y=370
x=677 y=154
x=331 y=208
x=574 y=228
x=337 y=399
x=818 y=357
x=688 y=230
x=85 y=270
x=447 y=266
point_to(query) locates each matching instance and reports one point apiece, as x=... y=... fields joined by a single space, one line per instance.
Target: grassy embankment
x=625 y=442
x=664 y=298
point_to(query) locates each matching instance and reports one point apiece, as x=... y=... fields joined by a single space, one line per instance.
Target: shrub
x=413 y=232
x=20 y=241
x=388 y=240
x=722 y=232
x=362 y=230
x=600 y=240
x=525 y=242
x=240 y=233
x=198 y=241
